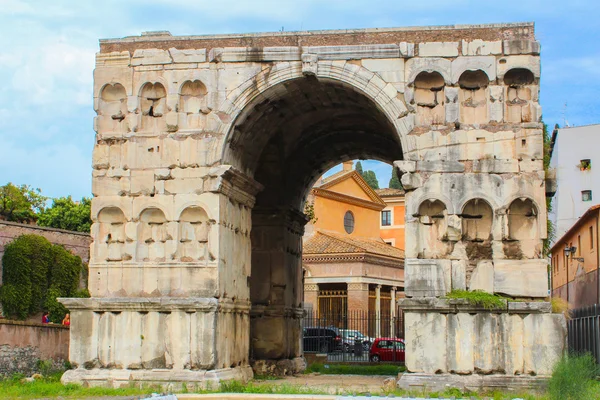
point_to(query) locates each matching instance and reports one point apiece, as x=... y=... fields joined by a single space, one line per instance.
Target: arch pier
x=207 y=146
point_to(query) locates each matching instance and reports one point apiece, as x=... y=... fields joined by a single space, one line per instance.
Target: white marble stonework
x=206 y=148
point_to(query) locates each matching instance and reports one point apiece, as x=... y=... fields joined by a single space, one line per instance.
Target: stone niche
x=112 y=109
x=153 y=107
x=429 y=98
x=110 y=237
x=520 y=91
x=192 y=105
x=523 y=230
x=473 y=97
x=432 y=230
x=153 y=236
x=194 y=231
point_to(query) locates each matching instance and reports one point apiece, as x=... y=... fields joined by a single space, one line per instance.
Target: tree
x=359 y=168
x=371 y=179
x=20 y=203
x=68 y=214
x=369 y=176
x=394 y=181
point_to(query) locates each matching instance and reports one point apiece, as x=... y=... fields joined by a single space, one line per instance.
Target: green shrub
x=573 y=377
x=35 y=273
x=26 y=263
x=65 y=271
x=15 y=300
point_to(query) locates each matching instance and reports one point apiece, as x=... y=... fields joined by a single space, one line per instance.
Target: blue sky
x=47 y=56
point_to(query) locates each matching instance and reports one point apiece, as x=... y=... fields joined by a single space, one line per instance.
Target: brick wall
x=23 y=344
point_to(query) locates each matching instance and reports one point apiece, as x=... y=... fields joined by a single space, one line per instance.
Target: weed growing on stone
x=479 y=298
x=573 y=378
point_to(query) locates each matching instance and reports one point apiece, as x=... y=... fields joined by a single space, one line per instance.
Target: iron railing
x=349 y=336
x=584 y=331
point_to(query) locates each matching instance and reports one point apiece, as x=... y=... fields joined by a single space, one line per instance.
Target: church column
x=393 y=311
x=378 y=310
x=311 y=297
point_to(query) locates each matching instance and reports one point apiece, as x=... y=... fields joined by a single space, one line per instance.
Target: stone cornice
x=258 y=310
x=353 y=257
x=292 y=219
x=237 y=185
x=328 y=194
x=441 y=305
x=191 y=304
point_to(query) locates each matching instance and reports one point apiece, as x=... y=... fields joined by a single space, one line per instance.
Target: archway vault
x=286 y=138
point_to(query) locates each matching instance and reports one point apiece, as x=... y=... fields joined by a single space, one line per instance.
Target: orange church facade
x=347 y=264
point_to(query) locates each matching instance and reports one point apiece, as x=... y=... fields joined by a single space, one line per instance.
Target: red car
x=387 y=349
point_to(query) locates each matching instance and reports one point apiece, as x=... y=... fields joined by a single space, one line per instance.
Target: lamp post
x=570 y=250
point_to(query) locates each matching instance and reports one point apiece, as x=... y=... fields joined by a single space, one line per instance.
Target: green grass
x=570 y=380
x=345 y=369
x=51 y=387
x=573 y=378
x=479 y=298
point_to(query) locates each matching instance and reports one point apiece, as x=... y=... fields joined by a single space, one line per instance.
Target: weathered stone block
x=426 y=343
x=427 y=278
x=524 y=278
x=496 y=166
x=438 y=49
x=150 y=57
x=483 y=277
x=461 y=340
x=518 y=46
x=459 y=275
x=142 y=182
x=188 y=55
x=479 y=47
x=489 y=355
x=544 y=342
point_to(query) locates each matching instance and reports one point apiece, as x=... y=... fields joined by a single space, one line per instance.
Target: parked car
x=349 y=337
x=387 y=349
x=321 y=339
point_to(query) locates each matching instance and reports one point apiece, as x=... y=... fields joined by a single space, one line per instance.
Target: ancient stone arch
x=225 y=137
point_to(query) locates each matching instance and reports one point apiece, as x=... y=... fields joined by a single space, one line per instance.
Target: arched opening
x=112 y=108
x=152 y=236
x=285 y=139
x=433 y=227
x=192 y=105
x=477 y=219
x=519 y=94
x=523 y=230
x=109 y=232
x=153 y=106
x=473 y=97
x=430 y=98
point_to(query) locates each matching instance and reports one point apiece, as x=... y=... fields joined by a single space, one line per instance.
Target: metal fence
x=349 y=336
x=584 y=331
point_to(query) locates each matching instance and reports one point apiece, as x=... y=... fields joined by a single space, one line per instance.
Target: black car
x=321 y=339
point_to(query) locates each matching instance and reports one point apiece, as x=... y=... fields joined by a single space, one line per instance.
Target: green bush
x=15 y=300
x=26 y=263
x=35 y=273
x=64 y=274
x=573 y=377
